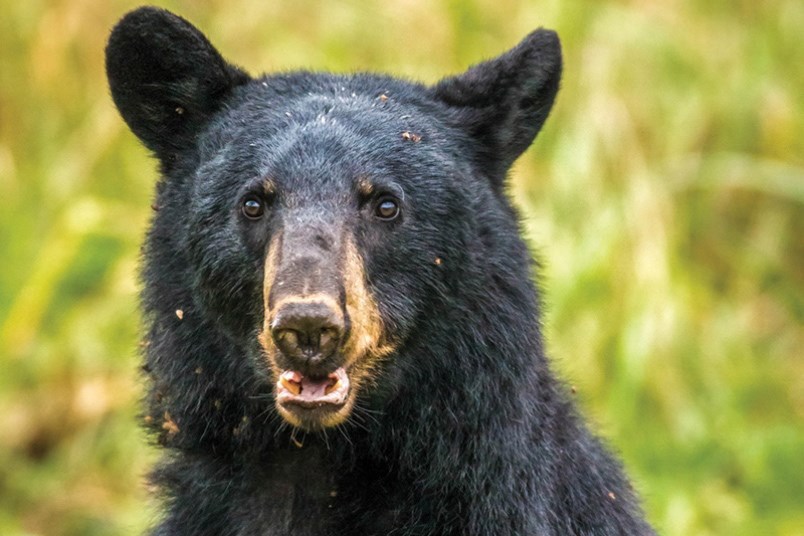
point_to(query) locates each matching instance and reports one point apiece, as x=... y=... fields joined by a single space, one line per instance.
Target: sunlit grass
x=665 y=200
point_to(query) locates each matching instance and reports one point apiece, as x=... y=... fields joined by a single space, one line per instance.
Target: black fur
x=465 y=430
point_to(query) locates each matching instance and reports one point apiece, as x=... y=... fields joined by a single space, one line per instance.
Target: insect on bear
x=343 y=335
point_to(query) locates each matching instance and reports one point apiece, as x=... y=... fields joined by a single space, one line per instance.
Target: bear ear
x=166 y=78
x=503 y=103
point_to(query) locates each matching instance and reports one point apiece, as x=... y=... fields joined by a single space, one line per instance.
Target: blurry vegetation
x=665 y=198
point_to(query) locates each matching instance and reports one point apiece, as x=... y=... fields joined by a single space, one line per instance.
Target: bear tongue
x=313 y=389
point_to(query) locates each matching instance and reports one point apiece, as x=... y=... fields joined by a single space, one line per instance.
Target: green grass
x=665 y=199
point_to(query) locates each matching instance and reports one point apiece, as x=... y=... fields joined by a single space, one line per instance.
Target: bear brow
x=268 y=186
x=366 y=187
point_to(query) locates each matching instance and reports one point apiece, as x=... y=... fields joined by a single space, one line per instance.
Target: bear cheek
x=235 y=312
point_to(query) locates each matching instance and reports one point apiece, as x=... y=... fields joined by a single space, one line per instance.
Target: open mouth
x=295 y=391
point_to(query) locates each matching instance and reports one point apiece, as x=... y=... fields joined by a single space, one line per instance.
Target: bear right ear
x=502 y=103
x=166 y=79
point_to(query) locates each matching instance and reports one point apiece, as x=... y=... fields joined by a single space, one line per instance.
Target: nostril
x=328 y=339
x=288 y=341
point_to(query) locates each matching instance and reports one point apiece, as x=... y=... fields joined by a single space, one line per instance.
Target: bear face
x=323 y=213
x=320 y=196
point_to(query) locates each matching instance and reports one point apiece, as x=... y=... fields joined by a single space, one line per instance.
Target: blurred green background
x=665 y=197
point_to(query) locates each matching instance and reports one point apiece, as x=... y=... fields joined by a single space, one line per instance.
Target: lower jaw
x=315 y=418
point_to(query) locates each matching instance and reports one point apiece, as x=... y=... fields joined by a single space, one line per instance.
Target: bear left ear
x=503 y=103
x=166 y=78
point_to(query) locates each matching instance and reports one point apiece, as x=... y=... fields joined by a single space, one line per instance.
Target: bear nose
x=307 y=331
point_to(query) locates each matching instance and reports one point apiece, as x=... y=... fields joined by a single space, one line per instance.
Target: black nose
x=307 y=332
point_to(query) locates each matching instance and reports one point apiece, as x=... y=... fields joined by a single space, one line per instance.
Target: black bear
x=343 y=335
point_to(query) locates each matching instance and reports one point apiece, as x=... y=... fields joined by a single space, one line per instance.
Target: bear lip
x=296 y=389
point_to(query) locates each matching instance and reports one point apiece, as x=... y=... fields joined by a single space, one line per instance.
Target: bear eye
x=387 y=209
x=253 y=208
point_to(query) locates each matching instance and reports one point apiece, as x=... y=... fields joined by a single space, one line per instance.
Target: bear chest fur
x=294 y=493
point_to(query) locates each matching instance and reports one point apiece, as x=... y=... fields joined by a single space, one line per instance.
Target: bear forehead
x=328 y=105
x=336 y=131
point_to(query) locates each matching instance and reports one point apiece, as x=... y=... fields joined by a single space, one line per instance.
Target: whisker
x=326 y=438
x=345 y=435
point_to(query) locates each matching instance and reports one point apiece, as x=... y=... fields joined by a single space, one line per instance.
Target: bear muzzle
x=322 y=335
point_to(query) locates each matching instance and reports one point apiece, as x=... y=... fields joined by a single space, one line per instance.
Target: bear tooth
x=332 y=387
x=291 y=386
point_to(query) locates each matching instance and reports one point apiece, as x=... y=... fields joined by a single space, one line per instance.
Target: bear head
x=315 y=221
